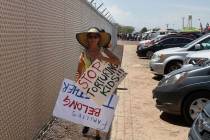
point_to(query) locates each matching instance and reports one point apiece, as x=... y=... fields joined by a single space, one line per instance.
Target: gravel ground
x=63 y=130
x=136 y=116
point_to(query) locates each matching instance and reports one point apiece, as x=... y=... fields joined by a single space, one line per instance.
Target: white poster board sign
x=73 y=105
x=100 y=80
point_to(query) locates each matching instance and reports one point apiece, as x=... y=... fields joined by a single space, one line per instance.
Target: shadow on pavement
x=122 y=88
x=143 y=58
x=173 y=119
x=89 y=136
x=157 y=77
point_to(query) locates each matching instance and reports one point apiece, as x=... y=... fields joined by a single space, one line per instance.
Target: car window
x=205 y=44
x=194 y=41
x=168 y=41
x=184 y=40
x=178 y=40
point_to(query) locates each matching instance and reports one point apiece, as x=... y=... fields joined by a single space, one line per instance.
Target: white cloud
x=120 y=15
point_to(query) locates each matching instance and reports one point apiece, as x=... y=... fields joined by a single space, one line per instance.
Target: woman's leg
x=98 y=135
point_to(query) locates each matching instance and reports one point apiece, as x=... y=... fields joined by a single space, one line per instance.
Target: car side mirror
x=197 y=47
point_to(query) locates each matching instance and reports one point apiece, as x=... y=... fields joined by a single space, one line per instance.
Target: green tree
x=125 y=29
x=143 y=30
x=156 y=29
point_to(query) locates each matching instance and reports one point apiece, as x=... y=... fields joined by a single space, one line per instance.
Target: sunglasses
x=93 y=36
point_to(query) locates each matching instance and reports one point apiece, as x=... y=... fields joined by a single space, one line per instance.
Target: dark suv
x=164 y=43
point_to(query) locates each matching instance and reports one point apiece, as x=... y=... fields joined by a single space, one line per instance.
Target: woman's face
x=93 y=39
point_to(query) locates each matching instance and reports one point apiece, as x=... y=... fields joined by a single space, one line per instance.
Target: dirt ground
x=136 y=116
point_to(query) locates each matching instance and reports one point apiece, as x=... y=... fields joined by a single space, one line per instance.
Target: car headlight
x=162 y=57
x=155 y=57
x=198 y=61
x=158 y=57
x=174 y=79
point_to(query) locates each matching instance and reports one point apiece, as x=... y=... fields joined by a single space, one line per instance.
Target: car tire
x=196 y=101
x=149 y=54
x=174 y=65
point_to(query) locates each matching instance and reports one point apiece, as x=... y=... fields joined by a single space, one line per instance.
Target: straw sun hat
x=104 y=37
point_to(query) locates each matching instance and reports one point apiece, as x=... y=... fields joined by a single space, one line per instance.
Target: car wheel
x=193 y=105
x=172 y=66
x=149 y=54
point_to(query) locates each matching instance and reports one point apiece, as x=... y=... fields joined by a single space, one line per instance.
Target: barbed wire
x=100 y=7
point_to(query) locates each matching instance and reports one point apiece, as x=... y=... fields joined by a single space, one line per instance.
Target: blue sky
x=158 y=13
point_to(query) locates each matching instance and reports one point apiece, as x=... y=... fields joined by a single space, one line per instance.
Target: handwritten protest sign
x=100 y=80
x=73 y=105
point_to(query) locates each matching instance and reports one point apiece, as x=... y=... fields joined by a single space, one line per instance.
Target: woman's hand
x=114 y=58
x=102 y=58
x=109 y=59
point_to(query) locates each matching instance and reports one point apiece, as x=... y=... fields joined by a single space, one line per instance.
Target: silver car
x=168 y=60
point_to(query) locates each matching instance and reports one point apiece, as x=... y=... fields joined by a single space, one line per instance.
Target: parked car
x=146 y=43
x=184 y=92
x=149 y=35
x=170 y=41
x=168 y=60
x=143 y=43
x=200 y=129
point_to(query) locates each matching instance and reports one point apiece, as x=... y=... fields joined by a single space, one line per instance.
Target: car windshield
x=158 y=38
x=193 y=42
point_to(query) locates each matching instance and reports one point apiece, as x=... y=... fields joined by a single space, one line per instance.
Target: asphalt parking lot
x=136 y=116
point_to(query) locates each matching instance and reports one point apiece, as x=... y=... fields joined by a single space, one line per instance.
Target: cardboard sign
x=100 y=80
x=73 y=105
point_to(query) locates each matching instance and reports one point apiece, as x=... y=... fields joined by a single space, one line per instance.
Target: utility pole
x=183 y=22
x=167 y=25
x=190 y=21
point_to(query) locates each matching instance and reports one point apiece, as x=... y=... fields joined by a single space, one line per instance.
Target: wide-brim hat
x=105 y=37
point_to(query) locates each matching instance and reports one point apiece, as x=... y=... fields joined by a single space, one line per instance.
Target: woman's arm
x=80 y=68
x=111 y=57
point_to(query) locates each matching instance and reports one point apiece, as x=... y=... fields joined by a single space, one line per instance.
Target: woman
x=95 y=43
